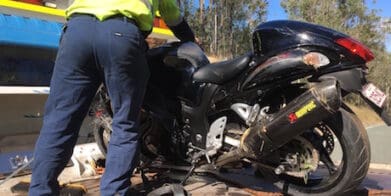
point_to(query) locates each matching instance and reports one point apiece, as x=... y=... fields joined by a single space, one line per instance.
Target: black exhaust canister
x=318 y=103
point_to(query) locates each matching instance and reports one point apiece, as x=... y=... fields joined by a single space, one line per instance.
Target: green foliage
x=224 y=26
x=349 y=16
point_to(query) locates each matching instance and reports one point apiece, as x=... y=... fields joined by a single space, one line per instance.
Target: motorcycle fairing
x=287 y=66
x=272 y=37
x=195 y=116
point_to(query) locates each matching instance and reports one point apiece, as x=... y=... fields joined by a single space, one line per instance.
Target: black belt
x=115 y=17
x=122 y=18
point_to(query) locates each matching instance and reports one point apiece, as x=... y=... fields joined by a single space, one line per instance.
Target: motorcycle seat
x=221 y=72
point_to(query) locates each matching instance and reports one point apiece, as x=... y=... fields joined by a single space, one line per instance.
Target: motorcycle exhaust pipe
x=320 y=102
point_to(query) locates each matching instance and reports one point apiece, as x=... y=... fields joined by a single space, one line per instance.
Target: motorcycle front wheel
x=349 y=169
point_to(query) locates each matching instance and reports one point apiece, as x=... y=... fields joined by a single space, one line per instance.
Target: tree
x=224 y=26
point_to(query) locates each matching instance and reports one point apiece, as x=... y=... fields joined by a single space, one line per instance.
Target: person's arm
x=171 y=14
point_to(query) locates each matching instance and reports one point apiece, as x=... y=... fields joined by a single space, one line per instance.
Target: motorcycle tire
x=102 y=136
x=100 y=140
x=354 y=142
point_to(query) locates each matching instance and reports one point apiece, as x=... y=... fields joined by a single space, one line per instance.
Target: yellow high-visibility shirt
x=142 y=11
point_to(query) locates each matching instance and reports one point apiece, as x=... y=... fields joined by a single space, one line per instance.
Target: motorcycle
x=278 y=107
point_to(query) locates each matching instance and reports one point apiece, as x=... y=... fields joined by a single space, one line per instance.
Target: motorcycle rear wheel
x=352 y=170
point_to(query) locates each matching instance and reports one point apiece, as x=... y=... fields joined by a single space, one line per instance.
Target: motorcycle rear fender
x=352 y=81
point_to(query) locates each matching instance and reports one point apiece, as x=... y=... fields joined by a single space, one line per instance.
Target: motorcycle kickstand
x=188 y=174
x=144 y=178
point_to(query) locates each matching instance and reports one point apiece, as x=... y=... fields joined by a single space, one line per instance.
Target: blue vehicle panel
x=30 y=32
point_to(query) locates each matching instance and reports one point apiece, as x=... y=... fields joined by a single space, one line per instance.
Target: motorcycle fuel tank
x=172 y=66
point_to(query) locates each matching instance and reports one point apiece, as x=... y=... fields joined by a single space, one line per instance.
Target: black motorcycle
x=278 y=107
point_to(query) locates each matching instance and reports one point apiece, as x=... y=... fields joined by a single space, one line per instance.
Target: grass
x=367 y=116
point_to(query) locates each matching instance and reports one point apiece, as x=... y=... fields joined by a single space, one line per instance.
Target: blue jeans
x=92 y=52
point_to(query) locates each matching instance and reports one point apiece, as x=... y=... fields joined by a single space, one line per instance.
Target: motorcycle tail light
x=316 y=59
x=356 y=47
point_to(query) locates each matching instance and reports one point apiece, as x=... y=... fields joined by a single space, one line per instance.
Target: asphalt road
x=380 y=139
